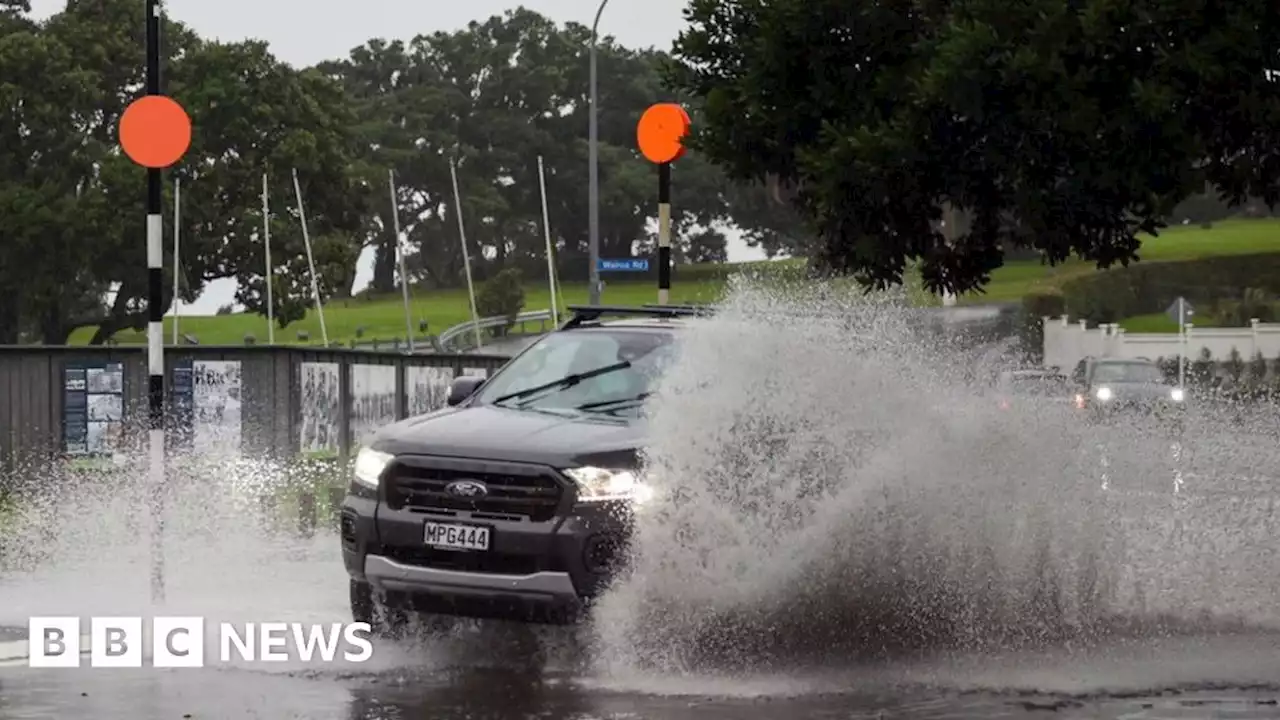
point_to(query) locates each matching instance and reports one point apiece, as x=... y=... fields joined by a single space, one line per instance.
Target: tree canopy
x=836 y=130
x=1067 y=127
x=71 y=230
x=492 y=97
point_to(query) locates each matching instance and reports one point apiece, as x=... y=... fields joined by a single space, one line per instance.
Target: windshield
x=563 y=354
x=1127 y=373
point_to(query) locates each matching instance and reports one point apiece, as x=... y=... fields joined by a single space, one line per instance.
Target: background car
x=1123 y=386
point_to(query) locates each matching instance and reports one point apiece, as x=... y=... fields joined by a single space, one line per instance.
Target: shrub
x=501 y=296
x=1252 y=303
x=1146 y=288
x=1203 y=370
x=1234 y=366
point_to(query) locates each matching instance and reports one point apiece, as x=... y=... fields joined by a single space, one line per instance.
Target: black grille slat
x=418 y=487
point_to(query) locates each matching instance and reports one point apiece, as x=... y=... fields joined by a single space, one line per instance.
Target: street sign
x=624 y=265
x=1180 y=311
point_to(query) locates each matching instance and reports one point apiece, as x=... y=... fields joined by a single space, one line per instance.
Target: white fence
x=1066 y=342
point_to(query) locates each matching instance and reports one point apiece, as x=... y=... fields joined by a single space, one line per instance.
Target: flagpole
x=269 y=278
x=404 y=276
x=177 y=233
x=306 y=239
x=546 y=229
x=466 y=257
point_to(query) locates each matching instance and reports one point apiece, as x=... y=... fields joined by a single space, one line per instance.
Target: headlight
x=1178 y=394
x=1103 y=394
x=599 y=484
x=369 y=466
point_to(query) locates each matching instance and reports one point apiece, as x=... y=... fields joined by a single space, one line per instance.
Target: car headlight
x=600 y=484
x=1103 y=394
x=1178 y=394
x=369 y=466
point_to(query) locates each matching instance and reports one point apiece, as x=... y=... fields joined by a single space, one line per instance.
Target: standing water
x=837 y=491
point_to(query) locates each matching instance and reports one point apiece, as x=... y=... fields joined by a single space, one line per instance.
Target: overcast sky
x=304 y=32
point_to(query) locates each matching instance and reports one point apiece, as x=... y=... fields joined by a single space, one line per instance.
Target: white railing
x=448 y=337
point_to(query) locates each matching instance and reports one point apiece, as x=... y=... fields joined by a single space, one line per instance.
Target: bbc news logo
x=177 y=642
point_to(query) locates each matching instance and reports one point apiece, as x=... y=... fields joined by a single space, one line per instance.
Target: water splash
x=836 y=484
x=78 y=543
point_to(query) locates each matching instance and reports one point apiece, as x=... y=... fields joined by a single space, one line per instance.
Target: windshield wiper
x=563 y=383
x=615 y=401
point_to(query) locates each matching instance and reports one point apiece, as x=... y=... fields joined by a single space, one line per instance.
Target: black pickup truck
x=516 y=501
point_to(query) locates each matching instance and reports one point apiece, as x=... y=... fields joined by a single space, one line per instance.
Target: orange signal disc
x=155 y=131
x=661 y=132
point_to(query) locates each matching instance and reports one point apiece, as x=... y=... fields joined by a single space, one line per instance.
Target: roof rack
x=591 y=313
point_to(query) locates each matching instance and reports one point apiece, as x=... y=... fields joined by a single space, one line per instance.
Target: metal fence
x=266 y=401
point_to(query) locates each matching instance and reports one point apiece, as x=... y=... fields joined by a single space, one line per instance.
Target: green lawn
x=1154 y=323
x=383 y=317
x=1232 y=237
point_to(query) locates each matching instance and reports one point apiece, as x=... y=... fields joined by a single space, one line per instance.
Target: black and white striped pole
x=155 y=324
x=661 y=134
x=664 y=233
x=155 y=132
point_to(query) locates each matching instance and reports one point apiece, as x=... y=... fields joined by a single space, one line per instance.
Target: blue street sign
x=625 y=265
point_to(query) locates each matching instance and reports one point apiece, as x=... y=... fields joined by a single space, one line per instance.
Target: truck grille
x=417 y=484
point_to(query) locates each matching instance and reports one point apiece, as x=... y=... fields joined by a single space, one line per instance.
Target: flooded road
x=816 y=513
x=1187 y=678
x=508 y=673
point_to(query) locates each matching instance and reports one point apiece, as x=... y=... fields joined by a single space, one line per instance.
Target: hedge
x=1145 y=288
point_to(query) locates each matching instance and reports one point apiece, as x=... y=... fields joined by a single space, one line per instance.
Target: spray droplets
x=840 y=486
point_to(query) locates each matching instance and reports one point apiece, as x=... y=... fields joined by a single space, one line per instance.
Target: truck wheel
x=369 y=606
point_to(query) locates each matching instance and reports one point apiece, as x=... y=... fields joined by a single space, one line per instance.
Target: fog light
x=348 y=529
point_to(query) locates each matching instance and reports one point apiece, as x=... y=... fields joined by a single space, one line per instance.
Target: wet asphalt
x=502 y=673
x=492 y=676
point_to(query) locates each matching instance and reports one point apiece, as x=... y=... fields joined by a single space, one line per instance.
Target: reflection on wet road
x=1193 y=677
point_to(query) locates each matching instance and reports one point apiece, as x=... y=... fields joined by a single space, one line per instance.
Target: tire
x=369 y=606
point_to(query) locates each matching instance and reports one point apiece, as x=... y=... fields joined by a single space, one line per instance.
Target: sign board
x=624 y=265
x=93 y=408
x=1180 y=311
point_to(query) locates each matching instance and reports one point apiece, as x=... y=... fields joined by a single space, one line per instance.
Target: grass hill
x=382 y=317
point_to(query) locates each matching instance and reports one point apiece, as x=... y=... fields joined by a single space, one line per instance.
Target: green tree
x=501 y=296
x=1066 y=127
x=495 y=96
x=74 y=225
x=45 y=267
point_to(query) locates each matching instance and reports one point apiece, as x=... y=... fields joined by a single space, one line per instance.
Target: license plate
x=457 y=537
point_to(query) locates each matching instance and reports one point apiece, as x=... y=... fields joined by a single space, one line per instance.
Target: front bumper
x=545 y=572
x=547 y=597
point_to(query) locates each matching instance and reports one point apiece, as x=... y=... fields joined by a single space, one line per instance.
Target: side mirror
x=463 y=388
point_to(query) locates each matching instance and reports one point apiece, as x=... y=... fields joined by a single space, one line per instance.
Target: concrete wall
x=274 y=401
x=1067 y=342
